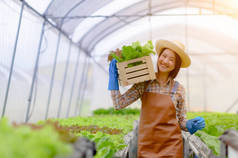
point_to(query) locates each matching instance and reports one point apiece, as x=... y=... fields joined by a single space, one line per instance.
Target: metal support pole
x=80 y=86
x=149 y=19
x=204 y=89
x=188 y=90
x=56 y=26
x=64 y=80
x=13 y=60
x=53 y=76
x=73 y=85
x=213 y=7
x=186 y=43
x=84 y=84
x=35 y=71
x=232 y=105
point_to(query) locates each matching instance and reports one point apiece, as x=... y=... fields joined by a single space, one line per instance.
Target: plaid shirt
x=137 y=90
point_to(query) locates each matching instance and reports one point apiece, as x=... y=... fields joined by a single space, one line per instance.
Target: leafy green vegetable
x=107 y=144
x=211 y=141
x=135 y=50
x=23 y=142
x=116 y=57
x=112 y=111
x=216 y=124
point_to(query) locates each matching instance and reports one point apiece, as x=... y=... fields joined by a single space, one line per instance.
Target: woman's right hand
x=113 y=76
x=195 y=124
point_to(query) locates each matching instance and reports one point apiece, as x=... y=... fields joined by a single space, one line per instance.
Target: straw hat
x=177 y=47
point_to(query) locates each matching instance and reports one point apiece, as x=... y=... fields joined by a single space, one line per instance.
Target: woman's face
x=166 y=61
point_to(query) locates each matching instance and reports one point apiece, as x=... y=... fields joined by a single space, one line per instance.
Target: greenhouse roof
x=49 y=45
x=88 y=22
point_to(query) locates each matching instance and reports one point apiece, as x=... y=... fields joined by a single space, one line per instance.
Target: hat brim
x=162 y=44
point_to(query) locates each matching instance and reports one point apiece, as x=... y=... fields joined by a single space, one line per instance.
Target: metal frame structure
x=46 y=21
x=34 y=74
x=64 y=81
x=144 y=11
x=53 y=75
x=13 y=60
x=216 y=7
x=73 y=85
x=81 y=95
x=92 y=37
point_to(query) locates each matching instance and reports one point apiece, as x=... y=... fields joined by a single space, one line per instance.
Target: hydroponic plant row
x=107 y=131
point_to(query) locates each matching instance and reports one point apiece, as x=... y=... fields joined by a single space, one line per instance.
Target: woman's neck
x=162 y=77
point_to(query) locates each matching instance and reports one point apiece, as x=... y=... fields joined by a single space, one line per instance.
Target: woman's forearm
x=130 y=96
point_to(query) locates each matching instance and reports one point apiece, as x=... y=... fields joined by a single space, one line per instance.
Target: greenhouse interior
x=63 y=97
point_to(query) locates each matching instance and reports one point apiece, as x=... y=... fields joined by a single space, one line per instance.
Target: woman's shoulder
x=179 y=84
x=180 y=87
x=139 y=85
x=145 y=82
x=142 y=85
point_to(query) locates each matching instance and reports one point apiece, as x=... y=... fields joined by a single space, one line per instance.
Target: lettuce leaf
x=135 y=50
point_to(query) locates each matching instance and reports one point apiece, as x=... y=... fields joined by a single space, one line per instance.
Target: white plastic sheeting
x=212 y=76
x=25 y=58
x=210 y=39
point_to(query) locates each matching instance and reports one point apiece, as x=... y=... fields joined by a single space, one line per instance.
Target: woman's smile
x=164 y=66
x=166 y=61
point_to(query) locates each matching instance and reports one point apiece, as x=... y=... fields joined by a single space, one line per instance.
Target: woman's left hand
x=195 y=124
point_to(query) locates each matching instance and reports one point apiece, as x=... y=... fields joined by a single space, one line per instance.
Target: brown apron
x=159 y=132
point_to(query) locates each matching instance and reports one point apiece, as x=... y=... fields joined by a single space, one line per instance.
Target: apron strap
x=172 y=89
x=175 y=87
x=147 y=83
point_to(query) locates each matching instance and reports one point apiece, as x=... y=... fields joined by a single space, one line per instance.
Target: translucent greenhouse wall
x=211 y=81
x=78 y=85
x=208 y=87
x=48 y=92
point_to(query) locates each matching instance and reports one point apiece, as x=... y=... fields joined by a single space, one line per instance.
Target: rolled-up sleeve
x=130 y=96
x=181 y=107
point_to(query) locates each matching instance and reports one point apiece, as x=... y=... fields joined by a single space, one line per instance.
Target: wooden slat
x=137 y=73
x=121 y=72
x=139 y=79
x=135 y=68
x=150 y=67
x=125 y=63
x=121 y=65
x=145 y=69
x=123 y=83
x=133 y=61
x=123 y=78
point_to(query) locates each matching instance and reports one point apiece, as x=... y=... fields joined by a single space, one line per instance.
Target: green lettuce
x=135 y=50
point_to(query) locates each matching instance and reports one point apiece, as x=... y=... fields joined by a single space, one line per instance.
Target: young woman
x=163 y=113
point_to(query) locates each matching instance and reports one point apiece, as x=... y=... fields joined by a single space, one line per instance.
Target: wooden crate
x=136 y=74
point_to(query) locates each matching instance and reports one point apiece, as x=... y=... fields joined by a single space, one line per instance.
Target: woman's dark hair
x=178 y=63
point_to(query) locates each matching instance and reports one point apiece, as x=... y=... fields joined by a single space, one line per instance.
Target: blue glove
x=113 y=76
x=195 y=124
